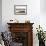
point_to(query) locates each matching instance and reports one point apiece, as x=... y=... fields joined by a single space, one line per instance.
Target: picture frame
x=20 y=9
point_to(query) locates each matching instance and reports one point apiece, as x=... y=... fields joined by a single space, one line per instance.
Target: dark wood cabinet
x=22 y=33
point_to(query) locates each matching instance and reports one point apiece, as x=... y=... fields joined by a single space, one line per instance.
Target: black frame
x=20 y=12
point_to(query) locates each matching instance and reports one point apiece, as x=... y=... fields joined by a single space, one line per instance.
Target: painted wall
x=33 y=11
x=43 y=14
x=43 y=6
x=0 y=15
x=33 y=14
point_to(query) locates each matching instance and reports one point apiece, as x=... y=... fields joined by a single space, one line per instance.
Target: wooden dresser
x=22 y=33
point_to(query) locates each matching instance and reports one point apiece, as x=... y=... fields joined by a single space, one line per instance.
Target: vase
x=41 y=43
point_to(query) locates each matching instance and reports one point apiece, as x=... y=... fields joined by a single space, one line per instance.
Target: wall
x=0 y=15
x=43 y=14
x=33 y=11
x=34 y=14
x=43 y=6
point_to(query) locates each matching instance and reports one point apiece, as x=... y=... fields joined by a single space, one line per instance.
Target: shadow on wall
x=0 y=15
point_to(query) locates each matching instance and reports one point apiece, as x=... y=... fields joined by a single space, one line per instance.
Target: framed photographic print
x=20 y=9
